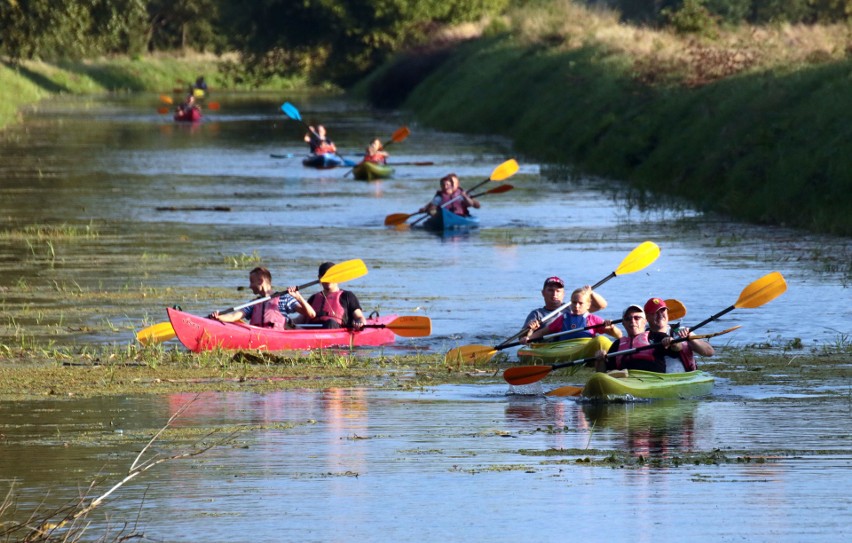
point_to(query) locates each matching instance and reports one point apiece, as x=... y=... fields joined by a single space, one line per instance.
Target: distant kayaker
x=199 y=88
x=577 y=317
x=658 y=321
x=272 y=313
x=653 y=359
x=451 y=197
x=376 y=153
x=333 y=307
x=318 y=141
x=188 y=104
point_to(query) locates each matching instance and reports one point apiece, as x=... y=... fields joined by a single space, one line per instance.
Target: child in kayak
x=658 y=321
x=576 y=318
x=553 y=292
x=272 y=313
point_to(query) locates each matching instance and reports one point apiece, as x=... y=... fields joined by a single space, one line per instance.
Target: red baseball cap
x=653 y=305
x=553 y=280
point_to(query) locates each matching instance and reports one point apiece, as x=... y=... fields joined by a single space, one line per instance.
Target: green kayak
x=563 y=351
x=648 y=384
x=369 y=171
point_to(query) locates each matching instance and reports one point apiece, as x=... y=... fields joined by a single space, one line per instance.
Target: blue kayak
x=448 y=220
x=326 y=161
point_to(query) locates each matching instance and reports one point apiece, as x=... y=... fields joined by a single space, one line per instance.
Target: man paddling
x=658 y=321
x=651 y=359
x=272 y=313
x=553 y=293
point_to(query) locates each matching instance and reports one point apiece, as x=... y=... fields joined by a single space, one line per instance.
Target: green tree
x=339 y=39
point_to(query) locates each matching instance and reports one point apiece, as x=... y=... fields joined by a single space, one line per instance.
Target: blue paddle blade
x=348 y=163
x=291 y=111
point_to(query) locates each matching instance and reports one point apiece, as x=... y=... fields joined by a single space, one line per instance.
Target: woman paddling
x=451 y=197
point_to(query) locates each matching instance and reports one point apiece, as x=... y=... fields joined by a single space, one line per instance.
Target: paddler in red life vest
x=658 y=321
x=318 y=141
x=647 y=359
x=376 y=153
x=271 y=313
x=578 y=316
x=333 y=307
x=451 y=197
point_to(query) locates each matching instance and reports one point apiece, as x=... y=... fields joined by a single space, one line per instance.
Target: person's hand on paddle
x=533 y=326
x=600 y=361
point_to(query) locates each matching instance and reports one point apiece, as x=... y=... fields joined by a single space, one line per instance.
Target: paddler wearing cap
x=553 y=293
x=633 y=320
x=658 y=321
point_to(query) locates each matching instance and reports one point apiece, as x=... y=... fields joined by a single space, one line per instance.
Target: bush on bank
x=742 y=131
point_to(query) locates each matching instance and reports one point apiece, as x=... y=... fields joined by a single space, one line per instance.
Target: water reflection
x=343 y=464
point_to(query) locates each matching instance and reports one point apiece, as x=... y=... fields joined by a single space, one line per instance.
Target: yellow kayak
x=563 y=351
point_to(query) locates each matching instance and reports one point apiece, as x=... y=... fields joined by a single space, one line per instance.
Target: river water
x=134 y=195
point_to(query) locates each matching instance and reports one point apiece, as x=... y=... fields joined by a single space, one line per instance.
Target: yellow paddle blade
x=565 y=391
x=762 y=291
x=198 y=93
x=396 y=218
x=639 y=258
x=505 y=170
x=156 y=333
x=166 y=99
x=525 y=375
x=400 y=134
x=469 y=354
x=345 y=271
x=676 y=309
x=411 y=326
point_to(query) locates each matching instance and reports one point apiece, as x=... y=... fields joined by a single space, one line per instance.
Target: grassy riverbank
x=30 y=82
x=751 y=123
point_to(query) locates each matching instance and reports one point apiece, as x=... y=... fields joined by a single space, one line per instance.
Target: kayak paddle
x=339 y=273
x=409 y=326
x=500 y=173
x=638 y=259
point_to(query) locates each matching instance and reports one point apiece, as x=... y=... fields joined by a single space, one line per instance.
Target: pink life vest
x=627 y=343
x=267 y=315
x=328 y=307
x=458 y=207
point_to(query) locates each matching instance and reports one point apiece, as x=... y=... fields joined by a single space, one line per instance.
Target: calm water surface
x=450 y=463
x=361 y=465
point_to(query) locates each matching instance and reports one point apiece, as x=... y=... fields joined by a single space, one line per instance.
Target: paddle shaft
x=267 y=298
x=556 y=334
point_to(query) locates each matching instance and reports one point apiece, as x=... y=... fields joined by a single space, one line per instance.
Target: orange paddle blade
x=525 y=375
x=676 y=309
x=163 y=110
x=213 y=105
x=395 y=219
x=565 y=391
x=166 y=99
x=400 y=134
x=411 y=326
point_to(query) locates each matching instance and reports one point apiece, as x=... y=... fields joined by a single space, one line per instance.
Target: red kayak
x=191 y=115
x=202 y=334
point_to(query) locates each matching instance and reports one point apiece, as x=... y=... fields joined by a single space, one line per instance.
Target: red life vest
x=627 y=343
x=378 y=158
x=325 y=148
x=267 y=315
x=687 y=358
x=459 y=207
x=328 y=307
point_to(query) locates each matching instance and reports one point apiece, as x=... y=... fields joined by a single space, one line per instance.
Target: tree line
x=336 y=40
